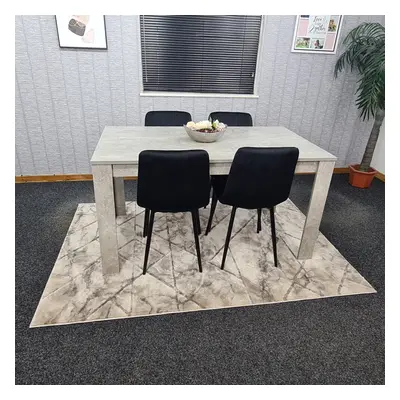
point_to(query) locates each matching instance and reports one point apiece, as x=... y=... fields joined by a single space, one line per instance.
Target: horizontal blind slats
x=193 y=53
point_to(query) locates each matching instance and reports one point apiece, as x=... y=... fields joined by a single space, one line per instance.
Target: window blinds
x=199 y=53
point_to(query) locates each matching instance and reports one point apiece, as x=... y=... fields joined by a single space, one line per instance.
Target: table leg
x=119 y=196
x=105 y=207
x=316 y=207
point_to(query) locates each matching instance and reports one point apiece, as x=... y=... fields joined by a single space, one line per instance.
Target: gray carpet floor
x=336 y=340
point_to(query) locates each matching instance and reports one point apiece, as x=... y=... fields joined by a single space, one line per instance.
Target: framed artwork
x=81 y=31
x=317 y=33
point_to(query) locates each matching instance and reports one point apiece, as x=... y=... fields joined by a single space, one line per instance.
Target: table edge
x=103 y=162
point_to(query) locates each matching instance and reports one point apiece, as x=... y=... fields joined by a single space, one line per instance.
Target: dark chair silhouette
x=173 y=181
x=260 y=177
x=167 y=118
x=232 y=118
x=218 y=182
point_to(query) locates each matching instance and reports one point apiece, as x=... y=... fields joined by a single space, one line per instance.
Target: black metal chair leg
x=214 y=202
x=149 y=231
x=198 y=222
x=273 y=232
x=259 y=220
x=228 y=236
x=146 y=222
x=195 y=219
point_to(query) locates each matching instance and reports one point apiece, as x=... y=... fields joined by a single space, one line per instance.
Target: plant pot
x=361 y=179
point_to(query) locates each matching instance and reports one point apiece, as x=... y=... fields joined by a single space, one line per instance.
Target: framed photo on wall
x=81 y=31
x=317 y=33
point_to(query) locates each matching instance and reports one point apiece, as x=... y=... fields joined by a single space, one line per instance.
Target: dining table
x=117 y=153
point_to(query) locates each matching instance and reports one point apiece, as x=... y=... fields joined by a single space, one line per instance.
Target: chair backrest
x=260 y=177
x=232 y=118
x=173 y=180
x=167 y=118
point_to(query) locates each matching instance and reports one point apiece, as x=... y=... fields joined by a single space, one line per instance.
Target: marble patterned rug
x=78 y=292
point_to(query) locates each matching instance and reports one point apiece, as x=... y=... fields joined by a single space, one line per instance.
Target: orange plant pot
x=361 y=179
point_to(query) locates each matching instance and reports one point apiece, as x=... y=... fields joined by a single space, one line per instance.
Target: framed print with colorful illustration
x=81 y=31
x=317 y=33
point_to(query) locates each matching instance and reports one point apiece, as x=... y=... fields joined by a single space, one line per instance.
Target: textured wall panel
x=289 y=89
x=303 y=81
x=159 y=103
x=267 y=60
x=323 y=101
x=187 y=104
x=23 y=148
x=311 y=99
x=25 y=90
x=250 y=106
x=174 y=103
x=280 y=69
x=57 y=93
x=65 y=97
x=89 y=100
x=222 y=104
x=117 y=68
x=79 y=133
x=44 y=103
x=238 y=104
x=17 y=166
x=130 y=37
x=349 y=125
x=213 y=104
x=147 y=104
x=103 y=88
x=200 y=109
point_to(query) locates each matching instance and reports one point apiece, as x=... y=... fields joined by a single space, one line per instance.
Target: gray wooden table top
x=122 y=144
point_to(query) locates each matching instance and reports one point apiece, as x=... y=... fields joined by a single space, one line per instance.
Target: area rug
x=78 y=292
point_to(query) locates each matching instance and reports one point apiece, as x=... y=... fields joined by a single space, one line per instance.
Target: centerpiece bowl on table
x=205 y=131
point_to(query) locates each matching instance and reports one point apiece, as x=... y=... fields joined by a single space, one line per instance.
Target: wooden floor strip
x=89 y=177
x=57 y=178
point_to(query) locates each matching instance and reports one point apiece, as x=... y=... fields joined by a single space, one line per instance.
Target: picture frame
x=81 y=31
x=317 y=34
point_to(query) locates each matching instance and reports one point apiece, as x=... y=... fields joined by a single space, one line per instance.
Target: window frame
x=254 y=95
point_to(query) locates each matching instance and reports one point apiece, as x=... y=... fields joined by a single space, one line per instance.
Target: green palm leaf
x=365 y=52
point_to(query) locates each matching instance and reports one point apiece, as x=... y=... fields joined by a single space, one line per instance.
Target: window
x=199 y=53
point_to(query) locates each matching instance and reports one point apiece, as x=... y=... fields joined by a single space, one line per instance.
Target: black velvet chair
x=260 y=177
x=167 y=118
x=232 y=118
x=173 y=181
x=218 y=182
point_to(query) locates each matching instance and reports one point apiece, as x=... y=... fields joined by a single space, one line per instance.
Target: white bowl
x=204 y=137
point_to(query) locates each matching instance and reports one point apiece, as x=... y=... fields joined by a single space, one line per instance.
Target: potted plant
x=365 y=53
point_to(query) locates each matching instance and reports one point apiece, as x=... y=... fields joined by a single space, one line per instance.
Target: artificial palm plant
x=365 y=53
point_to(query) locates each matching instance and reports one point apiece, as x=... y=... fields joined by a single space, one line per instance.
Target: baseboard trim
x=380 y=176
x=89 y=177
x=58 y=178
x=343 y=170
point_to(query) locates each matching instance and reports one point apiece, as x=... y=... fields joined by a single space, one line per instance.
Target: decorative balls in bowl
x=205 y=131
